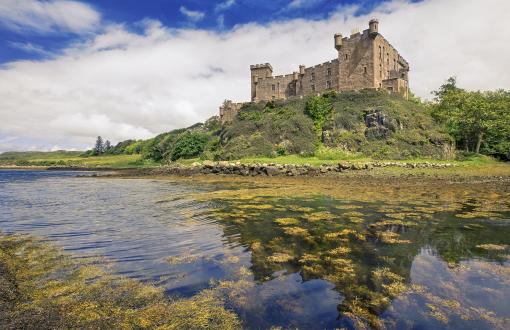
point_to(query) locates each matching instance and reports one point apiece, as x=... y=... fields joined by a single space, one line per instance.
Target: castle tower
x=338 y=41
x=259 y=72
x=373 y=27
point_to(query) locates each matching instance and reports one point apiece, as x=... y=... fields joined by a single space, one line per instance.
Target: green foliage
x=319 y=109
x=478 y=121
x=188 y=145
x=99 y=147
x=268 y=129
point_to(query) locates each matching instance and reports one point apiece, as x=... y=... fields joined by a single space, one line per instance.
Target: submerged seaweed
x=41 y=288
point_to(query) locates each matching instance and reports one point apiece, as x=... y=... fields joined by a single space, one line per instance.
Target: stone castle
x=365 y=60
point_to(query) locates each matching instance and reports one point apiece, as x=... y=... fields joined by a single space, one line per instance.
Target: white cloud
x=29 y=48
x=222 y=6
x=123 y=85
x=48 y=16
x=192 y=15
x=298 y=4
x=220 y=20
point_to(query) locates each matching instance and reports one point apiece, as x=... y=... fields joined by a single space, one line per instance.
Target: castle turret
x=258 y=73
x=301 y=69
x=373 y=27
x=338 y=41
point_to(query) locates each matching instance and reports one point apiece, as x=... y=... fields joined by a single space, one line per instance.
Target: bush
x=188 y=145
x=319 y=109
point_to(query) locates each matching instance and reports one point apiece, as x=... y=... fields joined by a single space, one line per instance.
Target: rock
x=272 y=171
x=207 y=163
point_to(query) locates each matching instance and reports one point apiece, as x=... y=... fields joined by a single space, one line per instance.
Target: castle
x=365 y=60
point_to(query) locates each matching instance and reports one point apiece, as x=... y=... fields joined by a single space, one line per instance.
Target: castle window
x=329 y=71
x=346 y=56
x=328 y=84
x=365 y=70
x=312 y=77
x=273 y=87
x=380 y=73
x=313 y=88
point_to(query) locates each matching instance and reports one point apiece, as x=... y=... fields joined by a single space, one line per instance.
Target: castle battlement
x=364 y=60
x=261 y=66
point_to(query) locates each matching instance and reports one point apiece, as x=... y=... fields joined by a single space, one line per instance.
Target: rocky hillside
x=336 y=125
x=368 y=122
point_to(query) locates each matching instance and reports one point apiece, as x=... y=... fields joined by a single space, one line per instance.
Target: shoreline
x=397 y=170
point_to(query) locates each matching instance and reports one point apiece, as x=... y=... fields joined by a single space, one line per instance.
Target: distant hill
x=367 y=123
x=30 y=155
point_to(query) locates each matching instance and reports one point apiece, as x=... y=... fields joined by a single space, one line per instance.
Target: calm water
x=313 y=261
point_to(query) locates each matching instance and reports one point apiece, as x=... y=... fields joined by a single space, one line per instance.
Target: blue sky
x=217 y=15
x=71 y=70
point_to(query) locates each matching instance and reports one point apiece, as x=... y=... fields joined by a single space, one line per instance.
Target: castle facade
x=365 y=60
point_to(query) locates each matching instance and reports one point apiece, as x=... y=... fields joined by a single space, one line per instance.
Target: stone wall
x=365 y=60
x=228 y=111
x=356 y=62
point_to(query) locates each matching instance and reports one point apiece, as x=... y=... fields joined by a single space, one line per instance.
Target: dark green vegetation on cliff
x=336 y=125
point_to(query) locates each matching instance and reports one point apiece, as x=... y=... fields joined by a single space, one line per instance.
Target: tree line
x=479 y=121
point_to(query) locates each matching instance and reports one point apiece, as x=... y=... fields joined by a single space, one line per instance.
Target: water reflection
x=284 y=257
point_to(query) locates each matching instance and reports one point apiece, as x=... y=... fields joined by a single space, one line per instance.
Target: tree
x=318 y=108
x=99 y=147
x=188 y=145
x=477 y=120
x=107 y=146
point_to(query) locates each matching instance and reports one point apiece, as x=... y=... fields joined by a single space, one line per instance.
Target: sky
x=129 y=69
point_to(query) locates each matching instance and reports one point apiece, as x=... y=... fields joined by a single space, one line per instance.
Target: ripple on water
x=287 y=261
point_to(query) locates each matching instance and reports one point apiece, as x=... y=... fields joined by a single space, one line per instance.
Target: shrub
x=188 y=145
x=319 y=109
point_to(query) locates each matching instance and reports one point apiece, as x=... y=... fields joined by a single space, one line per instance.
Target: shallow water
x=307 y=260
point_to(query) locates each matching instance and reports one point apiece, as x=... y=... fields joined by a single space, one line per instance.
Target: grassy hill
x=364 y=124
x=358 y=124
x=348 y=125
x=31 y=155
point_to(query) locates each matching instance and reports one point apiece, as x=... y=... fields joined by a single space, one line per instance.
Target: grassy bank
x=42 y=288
x=474 y=165
x=50 y=159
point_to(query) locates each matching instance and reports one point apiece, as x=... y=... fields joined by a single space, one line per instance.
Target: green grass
x=472 y=161
x=30 y=155
x=113 y=161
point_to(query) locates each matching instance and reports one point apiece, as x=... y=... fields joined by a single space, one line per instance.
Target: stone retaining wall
x=272 y=169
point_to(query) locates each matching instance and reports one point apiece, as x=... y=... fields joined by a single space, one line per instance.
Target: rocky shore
x=272 y=169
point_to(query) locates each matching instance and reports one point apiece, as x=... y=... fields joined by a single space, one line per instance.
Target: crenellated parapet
x=228 y=110
x=364 y=60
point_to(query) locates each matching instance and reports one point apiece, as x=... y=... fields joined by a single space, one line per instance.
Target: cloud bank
x=121 y=84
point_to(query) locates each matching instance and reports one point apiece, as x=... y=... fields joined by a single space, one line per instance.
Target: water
x=291 y=256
